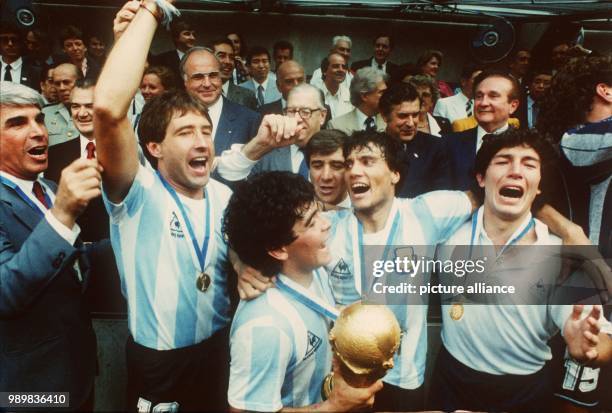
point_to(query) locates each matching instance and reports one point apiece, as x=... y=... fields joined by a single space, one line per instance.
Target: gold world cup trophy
x=364 y=339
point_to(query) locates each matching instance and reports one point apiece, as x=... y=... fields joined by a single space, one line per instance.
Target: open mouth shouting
x=511 y=193
x=359 y=189
x=199 y=165
x=38 y=153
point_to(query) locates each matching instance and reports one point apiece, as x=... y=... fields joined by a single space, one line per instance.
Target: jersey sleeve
x=133 y=200
x=442 y=213
x=260 y=355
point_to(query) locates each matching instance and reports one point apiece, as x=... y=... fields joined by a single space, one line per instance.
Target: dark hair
x=536 y=71
x=159 y=111
x=389 y=147
x=261 y=214
x=514 y=93
x=243 y=46
x=281 y=45
x=165 y=75
x=71 y=32
x=12 y=28
x=426 y=57
x=324 y=142
x=395 y=95
x=220 y=40
x=84 y=83
x=256 y=51
x=179 y=26
x=511 y=138
x=325 y=63
x=571 y=94
x=388 y=36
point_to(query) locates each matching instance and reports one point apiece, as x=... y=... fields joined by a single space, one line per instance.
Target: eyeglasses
x=200 y=77
x=305 y=113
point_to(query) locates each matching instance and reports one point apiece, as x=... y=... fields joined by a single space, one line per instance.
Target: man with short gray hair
x=57 y=117
x=366 y=89
x=44 y=267
x=342 y=45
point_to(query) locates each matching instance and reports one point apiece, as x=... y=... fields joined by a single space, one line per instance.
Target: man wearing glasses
x=232 y=123
x=305 y=103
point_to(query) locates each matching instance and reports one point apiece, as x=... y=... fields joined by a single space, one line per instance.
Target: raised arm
x=117 y=84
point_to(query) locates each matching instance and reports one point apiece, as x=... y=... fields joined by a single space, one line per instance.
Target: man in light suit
x=367 y=87
x=305 y=103
x=57 y=117
x=224 y=50
x=14 y=68
x=47 y=343
x=262 y=82
x=232 y=123
x=496 y=97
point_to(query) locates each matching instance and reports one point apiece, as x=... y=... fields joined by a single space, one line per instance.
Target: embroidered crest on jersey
x=341 y=271
x=314 y=342
x=175 y=227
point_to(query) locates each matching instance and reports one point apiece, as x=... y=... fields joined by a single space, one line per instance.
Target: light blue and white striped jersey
x=423 y=221
x=158 y=265
x=280 y=352
x=503 y=339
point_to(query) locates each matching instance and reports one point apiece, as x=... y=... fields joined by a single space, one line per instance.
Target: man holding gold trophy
x=280 y=352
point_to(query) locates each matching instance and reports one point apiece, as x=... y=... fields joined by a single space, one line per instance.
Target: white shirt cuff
x=233 y=165
x=69 y=234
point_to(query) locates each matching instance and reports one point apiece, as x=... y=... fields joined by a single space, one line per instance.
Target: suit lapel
x=224 y=131
x=21 y=210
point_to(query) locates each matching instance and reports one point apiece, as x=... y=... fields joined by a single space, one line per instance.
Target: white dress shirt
x=340 y=103
x=452 y=107
x=15 y=70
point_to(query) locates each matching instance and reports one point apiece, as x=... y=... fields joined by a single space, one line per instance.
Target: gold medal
x=203 y=282
x=456 y=311
x=327 y=386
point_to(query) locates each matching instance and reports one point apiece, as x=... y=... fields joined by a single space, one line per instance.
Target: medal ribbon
x=527 y=227
x=307 y=298
x=359 y=261
x=201 y=253
x=26 y=198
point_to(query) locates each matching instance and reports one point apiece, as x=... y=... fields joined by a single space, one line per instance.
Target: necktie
x=380 y=67
x=260 y=96
x=303 y=169
x=7 y=73
x=468 y=108
x=91 y=150
x=39 y=193
x=370 y=125
x=535 y=109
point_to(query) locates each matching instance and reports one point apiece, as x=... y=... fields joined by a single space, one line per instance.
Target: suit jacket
x=104 y=294
x=425 y=166
x=444 y=124
x=46 y=339
x=242 y=96
x=278 y=159
x=391 y=67
x=59 y=124
x=171 y=60
x=461 y=148
x=349 y=123
x=271 y=93
x=93 y=66
x=237 y=124
x=30 y=74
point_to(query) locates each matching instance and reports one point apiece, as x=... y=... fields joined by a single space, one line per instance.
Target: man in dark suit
x=383 y=45
x=75 y=49
x=14 y=67
x=232 y=123
x=47 y=343
x=184 y=38
x=424 y=159
x=224 y=51
x=496 y=97
x=538 y=81
x=104 y=296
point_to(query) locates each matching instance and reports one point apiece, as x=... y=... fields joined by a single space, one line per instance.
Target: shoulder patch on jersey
x=341 y=271
x=314 y=342
x=176 y=231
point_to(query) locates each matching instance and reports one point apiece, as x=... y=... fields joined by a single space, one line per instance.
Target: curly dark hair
x=261 y=214
x=570 y=96
x=512 y=138
x=389 y=147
